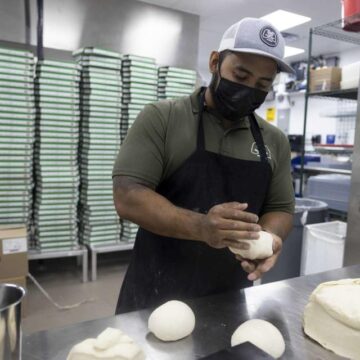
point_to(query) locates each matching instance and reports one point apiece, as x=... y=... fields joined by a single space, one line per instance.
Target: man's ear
x=214 y=61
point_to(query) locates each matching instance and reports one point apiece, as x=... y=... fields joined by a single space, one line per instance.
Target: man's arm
x=222 y=226
x=277 y=222
x=138 y=202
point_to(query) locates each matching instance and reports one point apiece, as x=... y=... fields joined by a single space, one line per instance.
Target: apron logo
x=255 y=151
x=268 y=36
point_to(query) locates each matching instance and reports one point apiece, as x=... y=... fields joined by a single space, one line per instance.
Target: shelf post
x=352 y=243
x=305 y=114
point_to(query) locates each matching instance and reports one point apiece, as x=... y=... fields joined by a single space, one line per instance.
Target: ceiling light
x=284 y=20
x=292 y=51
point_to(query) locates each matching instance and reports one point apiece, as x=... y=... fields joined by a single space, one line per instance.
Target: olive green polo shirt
x=164 y=135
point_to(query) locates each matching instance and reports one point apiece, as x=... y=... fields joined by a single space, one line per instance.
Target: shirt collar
x=243 y=123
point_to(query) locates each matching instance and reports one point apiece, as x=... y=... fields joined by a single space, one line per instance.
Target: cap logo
x=269 y=36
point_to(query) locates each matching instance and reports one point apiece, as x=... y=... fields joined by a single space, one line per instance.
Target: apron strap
x=256 y=133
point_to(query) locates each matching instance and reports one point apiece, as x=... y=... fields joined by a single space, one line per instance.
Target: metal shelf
x=78 y=252
x=339 y=114
x=334 y=148
x=102 y=249
x=348 y=94
x=335 y=31
x=323 y=170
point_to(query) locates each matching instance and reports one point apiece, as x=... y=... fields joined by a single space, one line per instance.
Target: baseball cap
x=256 y=36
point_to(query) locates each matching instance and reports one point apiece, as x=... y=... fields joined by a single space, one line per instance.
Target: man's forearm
x=278 y=223
x=155 y=213
x=222 y=226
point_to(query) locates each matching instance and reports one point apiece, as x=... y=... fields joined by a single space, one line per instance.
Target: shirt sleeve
x=143 y=151
x=281 y=196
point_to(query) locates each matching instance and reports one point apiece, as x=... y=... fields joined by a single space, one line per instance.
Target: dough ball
x=172 y=321
x=260 y=248
x=262 y=334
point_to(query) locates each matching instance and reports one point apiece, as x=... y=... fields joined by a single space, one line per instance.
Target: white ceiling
x=216 y=16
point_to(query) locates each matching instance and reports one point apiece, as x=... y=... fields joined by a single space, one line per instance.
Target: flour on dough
x=111 y=344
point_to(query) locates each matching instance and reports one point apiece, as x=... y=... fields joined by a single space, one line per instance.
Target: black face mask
x=234 y=101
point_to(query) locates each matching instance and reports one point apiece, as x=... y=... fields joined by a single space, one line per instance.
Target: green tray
x=43 y=70
x=60 y=64
x=97 y=51
x=16 y=59
x=130 y=80
x=100 y=64
x=142 y=59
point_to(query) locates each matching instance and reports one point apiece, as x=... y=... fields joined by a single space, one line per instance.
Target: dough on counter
x=111 y=344
x=332 y=317
x=172 y=321
x=259 y=249
x=262 y=334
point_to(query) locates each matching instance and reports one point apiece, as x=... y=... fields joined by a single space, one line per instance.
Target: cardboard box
x=325 y=79
x=13 y=252
x=20 y=281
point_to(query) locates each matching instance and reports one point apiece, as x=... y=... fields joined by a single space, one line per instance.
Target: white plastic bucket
x=323 y=247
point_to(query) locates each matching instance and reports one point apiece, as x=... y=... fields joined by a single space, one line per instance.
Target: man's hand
x=224 y=225
x=256 y=268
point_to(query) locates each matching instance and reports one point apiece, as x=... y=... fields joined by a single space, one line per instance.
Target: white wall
x=317 y=124
x=349 y=56
x=127 y=26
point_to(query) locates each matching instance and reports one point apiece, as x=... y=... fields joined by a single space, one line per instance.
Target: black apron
x=163 y=268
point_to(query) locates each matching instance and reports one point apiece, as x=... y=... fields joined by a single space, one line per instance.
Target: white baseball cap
x=256 y=36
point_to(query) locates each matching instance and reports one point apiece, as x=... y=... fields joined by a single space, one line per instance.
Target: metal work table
x=282 y=303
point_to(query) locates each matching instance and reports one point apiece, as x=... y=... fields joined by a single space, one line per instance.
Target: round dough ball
x=172 y=321
x=260 y=248
x=262 y=334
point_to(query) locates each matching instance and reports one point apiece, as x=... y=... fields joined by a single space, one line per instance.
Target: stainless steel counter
x=282 y=303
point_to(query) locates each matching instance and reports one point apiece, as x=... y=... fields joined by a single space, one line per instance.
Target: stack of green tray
x=101 y=91
x=17 y=119
x=128 y=231
x=140 y=88
x=55 y=156
x=175 y=82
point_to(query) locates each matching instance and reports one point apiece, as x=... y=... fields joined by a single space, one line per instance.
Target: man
x=201 y=173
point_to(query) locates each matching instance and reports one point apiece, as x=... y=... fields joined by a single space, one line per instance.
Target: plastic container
x=323 y=247
x=351 y=15
x=307 y=211
x=330 y=139
x=350 y=75
x=334 y=189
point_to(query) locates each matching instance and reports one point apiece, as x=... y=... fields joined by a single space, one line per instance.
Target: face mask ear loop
x=221 y=59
